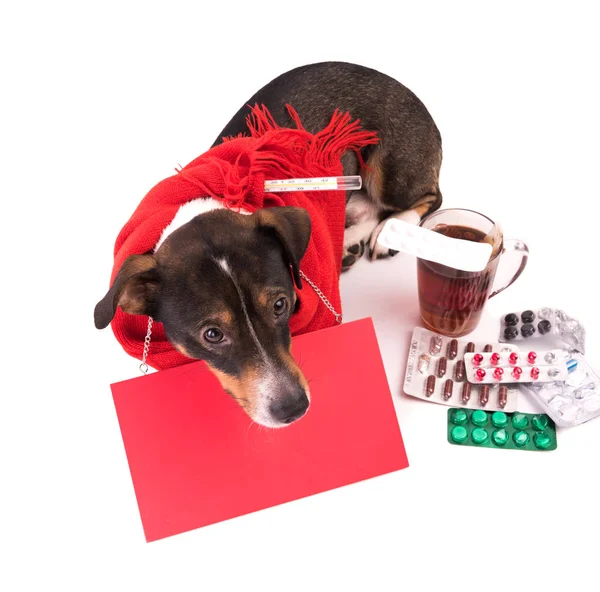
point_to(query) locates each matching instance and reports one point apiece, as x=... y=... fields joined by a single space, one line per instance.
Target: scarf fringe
x=283 y=153
x=322 y=150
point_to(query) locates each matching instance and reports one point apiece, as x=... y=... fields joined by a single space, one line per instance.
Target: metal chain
x=338 y=317
x=144 y=365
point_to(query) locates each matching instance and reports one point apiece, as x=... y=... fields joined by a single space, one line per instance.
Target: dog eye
x=213 y=335
x=280 y=306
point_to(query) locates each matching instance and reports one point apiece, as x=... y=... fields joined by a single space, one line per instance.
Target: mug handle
x=513 y=246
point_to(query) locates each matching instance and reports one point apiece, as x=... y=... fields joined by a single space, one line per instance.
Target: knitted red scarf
x=235 y=172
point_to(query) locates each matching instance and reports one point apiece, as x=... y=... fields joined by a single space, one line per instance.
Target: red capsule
x=498 y=373
x=477 y=359
x=516 y=372
x=513 y=358
x=466 y=393
x=480 y=374
x=535 y=373
x=452 y=350
x=487 y=348
x=531 y=357
x=495 y=358
x=441 y=367
x=459 y=370
x=470 y=348
x=484 y=395
x=430 y=385
x=502 y=397
x=448 y=386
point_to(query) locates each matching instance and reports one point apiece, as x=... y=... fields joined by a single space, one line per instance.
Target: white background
x=100 y=101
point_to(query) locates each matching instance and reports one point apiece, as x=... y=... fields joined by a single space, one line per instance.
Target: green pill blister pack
x=486 y=429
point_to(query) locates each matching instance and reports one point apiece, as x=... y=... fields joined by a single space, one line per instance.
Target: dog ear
x=292 y=228
x=134 y=290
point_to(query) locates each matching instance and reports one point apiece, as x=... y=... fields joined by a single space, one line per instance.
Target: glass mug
x=451 y=300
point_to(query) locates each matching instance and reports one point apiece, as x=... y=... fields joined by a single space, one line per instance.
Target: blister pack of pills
x=465 y=254
x=545 y=322
x=436 y=372
x=516 y=367
x=572 y=401
x=516 y=431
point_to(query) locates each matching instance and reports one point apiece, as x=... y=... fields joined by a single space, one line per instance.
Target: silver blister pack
x=525 y=325
x=572 y=401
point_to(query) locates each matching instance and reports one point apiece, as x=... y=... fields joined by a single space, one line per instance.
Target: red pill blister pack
x=436 y=371
x=516 y=367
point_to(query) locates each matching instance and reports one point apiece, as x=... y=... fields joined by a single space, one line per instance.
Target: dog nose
x=290 y=408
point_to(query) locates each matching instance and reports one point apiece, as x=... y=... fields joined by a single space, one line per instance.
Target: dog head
x=221 y=286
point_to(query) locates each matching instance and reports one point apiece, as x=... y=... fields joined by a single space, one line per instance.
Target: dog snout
x=290 y=408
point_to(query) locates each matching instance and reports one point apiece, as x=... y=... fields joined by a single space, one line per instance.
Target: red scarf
x=235 y=172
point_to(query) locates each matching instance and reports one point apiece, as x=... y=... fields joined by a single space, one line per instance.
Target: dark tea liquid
x=452 y=300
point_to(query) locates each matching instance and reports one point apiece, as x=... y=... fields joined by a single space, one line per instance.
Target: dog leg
x=413 y=216
x=362 y=217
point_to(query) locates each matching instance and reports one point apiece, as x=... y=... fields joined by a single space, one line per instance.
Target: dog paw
x=352 y=253
x=379 y=252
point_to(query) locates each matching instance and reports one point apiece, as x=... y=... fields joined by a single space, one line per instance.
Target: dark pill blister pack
x=544 y=322
x=436 y=372
x=516 y=326
x=516 y=431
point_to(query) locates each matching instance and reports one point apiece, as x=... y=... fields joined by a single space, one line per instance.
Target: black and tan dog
x=233 y=310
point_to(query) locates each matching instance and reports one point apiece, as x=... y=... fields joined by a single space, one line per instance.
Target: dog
x=219 y=280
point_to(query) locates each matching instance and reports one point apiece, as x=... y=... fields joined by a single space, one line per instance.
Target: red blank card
x=196 y=458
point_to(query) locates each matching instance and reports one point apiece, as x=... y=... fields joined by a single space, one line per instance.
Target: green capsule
x=459 y=434
x=499 y=419
x=500 y=437
x=539 y=422
x=520 y=421
x=479 y=436
x=521 y=438
x=479 y=417
x=459 y=416
x=542 y=440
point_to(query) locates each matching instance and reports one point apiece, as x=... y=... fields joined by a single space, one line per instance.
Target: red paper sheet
x=196 y=458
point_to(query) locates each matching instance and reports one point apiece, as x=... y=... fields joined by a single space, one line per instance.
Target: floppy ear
x=134 y=290
x=292 y=228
